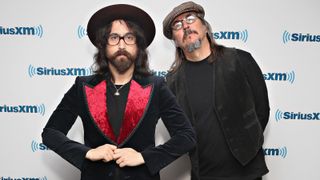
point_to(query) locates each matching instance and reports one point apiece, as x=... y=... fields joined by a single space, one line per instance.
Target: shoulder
x=243 y=53
x=152 y=79
x=86 y=78
x=237 y=55
x=157 y=80
x=235 y=51
x=91 y=80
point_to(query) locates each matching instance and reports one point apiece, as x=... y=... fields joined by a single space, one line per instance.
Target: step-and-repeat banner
x=44 y=46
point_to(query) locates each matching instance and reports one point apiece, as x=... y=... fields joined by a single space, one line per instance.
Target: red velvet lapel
x=136 y=106
x=97 y=103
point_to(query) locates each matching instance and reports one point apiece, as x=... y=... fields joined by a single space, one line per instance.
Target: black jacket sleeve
x=182 y=134
x=257 y=84
x=54 y=134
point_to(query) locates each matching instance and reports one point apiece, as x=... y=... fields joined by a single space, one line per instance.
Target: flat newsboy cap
x=182 y=8
x=108 y=14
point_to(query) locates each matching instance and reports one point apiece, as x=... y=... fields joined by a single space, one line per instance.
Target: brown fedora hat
x=108 y=14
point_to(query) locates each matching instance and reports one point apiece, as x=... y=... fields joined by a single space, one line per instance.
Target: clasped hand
x=122 y=156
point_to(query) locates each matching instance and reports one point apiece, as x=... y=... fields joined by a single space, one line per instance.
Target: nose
x=185 y=25
x=121 y=44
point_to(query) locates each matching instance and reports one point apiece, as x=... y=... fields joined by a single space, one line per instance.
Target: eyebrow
x=120 y=34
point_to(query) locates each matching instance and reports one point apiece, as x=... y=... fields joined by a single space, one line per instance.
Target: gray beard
x=193 y=46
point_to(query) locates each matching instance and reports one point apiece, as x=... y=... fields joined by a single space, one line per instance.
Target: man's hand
x=127 y=157
x=104 y=153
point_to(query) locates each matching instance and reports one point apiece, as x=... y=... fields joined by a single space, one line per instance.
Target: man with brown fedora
x=223 y=92
x=119 y=105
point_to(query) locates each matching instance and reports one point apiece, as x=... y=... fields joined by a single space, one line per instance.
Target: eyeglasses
x=189 y=19
x=114 y=39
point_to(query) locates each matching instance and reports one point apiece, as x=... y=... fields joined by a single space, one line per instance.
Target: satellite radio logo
x=280 y=76
x=281 y=115
x=45 y=71
x=22 y=31
x=23 y=178
x=35 y=146
x=32 y=109
x=281 y=152
x=159 y=73
x=299 y=37
x=232 y=35
x=81 y=32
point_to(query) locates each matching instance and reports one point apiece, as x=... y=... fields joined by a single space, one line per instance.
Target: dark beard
x=121 y=64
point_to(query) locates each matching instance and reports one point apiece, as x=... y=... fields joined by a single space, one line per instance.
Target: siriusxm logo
x=44 y=71
x=23 y=178
x=36 y=109
x=81 y=32
x=159 y=73
x=313 y=116
x=38 y=146
x=299 y=37
x=280 y=76
x=22 y=31
x=232 y=35
x=282 y=152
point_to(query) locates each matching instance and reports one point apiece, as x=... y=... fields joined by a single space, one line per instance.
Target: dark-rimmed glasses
x=114 y=39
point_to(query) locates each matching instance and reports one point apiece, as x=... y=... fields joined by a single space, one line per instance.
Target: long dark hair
x=216 y=49
x=141 y=63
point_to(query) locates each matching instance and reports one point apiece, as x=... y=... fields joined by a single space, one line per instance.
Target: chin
x=122 y=58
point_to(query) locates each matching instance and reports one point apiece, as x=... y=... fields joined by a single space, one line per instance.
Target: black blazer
x=148 y=100
x=240 y=99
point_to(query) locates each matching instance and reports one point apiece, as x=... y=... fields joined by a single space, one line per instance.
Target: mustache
x=119 y=53
x=122 y=52
x=186 y=32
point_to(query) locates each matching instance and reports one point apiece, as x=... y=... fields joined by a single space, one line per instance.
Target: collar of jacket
x=138 y=101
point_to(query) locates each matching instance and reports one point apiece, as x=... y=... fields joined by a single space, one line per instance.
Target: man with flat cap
x=223 y=92
x=119 y=105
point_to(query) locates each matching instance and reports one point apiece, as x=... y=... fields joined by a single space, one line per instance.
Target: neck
x=120 y=79
x=199 y=54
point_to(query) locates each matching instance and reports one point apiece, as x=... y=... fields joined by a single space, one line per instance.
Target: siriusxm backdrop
x=44 y=46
